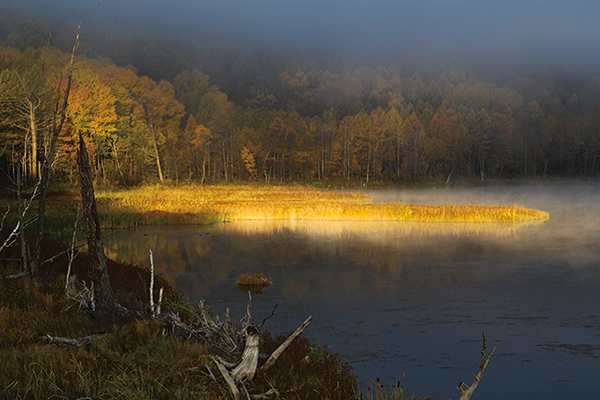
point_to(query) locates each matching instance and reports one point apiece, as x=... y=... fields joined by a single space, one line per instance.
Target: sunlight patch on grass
x=157 y=205
x=228 y=203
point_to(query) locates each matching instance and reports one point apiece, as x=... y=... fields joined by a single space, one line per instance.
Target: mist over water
x=409 y=298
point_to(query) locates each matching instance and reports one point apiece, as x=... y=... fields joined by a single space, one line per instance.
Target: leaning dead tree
x=467 y=391
x=229 y=339
x=103 y=292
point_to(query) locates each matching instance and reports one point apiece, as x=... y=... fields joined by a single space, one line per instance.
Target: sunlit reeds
x=157 y=205
x=226 y=203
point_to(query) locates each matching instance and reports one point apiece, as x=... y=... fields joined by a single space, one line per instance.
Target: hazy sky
x=381 y=28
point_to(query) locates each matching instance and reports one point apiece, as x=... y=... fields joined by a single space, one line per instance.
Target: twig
x=210 y=372
x=4 y=218
x=16 y=276
x=54 y=257
x=272 y=313
x=85 y=297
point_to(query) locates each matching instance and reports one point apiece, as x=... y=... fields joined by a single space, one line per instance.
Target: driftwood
x=467 y=391
x=224 y=336
x=205 y=328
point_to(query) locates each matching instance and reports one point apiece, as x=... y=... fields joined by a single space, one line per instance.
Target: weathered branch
x=74 y=342
x=228 y=379
x=266 y=318
x=467 y=391
x=83 y=296
x=271 y=360
x=21 y=223
x=17 y=276
x=4 y=217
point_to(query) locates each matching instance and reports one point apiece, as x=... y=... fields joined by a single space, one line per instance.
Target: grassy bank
x=132 y=358
x=210 y=204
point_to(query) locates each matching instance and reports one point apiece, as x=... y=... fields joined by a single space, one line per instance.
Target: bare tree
x=58 y=118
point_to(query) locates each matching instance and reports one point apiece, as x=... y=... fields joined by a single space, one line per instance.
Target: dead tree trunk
x=246 y=369
x=103 y=295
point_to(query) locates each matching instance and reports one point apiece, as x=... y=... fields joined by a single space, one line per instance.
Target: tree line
x=358 y=124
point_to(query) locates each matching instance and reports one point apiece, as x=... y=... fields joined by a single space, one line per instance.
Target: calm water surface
x=413 y=299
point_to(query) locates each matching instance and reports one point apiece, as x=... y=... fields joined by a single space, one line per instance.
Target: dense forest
x=155 y=109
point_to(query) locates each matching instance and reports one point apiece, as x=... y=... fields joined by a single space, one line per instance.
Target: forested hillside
x=153 y=110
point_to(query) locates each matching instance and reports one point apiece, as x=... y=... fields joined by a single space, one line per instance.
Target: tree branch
x=275 y=355
x=467 y=391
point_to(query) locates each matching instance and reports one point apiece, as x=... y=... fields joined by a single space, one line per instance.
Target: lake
x=411 y=299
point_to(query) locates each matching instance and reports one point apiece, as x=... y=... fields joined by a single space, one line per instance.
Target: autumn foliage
x=352 y=125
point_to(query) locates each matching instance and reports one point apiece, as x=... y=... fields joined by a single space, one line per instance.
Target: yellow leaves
x=249 y=162
x=92 y=105
x=196 y=136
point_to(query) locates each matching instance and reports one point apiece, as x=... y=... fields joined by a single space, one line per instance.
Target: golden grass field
x=229 y=203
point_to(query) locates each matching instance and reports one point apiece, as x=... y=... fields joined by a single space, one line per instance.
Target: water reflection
x=181 y=252
x=413 y=298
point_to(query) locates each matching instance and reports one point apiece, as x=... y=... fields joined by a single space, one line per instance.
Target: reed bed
x=228 y=203
x=156 y=205
x=375 y=212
